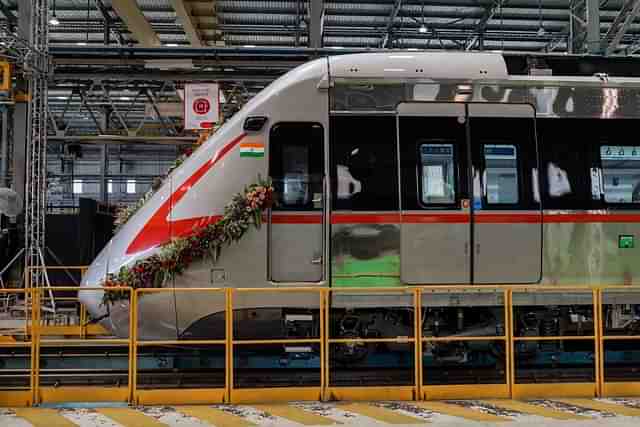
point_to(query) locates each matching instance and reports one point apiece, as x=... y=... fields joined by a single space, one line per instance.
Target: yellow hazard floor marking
x=130 y=417
x=614 y=408
x=542 y=411
x=41 y=417
x=460 y=411
x=217 y=417
x=381 y=414
x=298 y=415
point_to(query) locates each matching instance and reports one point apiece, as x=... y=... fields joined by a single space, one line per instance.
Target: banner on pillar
x=201 y=105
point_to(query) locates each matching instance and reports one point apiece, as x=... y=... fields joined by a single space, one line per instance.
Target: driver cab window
x=296 y=164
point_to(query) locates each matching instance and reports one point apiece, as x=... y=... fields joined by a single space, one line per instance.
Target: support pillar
x=4 y=148
x=316 y=12
x=21 y=110
x=593 y=27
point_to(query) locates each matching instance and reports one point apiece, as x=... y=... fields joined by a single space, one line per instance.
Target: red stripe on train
x=159 y=229
x=458 y=218
x=585 y=218
x=278 y=218
x=510 y=218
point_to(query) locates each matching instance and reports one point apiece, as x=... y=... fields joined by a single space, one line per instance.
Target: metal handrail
x=34 y=329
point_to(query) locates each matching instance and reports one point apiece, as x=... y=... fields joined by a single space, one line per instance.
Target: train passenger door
x=507 y=216
x=435 y=230
x=469 y=200
x=296 y=167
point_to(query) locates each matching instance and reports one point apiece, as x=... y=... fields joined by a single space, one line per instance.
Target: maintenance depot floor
x=555 y=412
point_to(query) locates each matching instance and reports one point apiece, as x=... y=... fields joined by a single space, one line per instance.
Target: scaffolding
x=37 y=69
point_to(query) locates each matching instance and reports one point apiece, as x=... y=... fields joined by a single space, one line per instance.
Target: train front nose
x=156 y=312
x=115 y=316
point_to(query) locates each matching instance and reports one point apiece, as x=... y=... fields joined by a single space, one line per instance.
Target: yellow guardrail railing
x=26 y=333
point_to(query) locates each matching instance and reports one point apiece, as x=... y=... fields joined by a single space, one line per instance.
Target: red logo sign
x=201 y=106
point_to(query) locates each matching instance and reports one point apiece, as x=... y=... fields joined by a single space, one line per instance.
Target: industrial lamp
x=54 y=19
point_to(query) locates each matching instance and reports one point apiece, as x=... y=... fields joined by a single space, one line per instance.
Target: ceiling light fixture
x=423 y=28
x=54 y=19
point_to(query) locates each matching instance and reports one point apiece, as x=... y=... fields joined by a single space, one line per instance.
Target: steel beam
x=108 y=21
x=390 y=23
x=136 y=22
x=593 y=26
x=122 y=139
x=316 y=13
x=183 y=13
x=620 y=25
x=481 y=26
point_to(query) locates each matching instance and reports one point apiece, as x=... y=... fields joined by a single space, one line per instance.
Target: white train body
x=197 y=192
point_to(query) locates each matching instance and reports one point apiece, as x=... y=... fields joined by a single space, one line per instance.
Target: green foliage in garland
x=242 y=213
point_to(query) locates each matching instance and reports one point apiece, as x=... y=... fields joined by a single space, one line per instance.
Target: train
x=405 y=168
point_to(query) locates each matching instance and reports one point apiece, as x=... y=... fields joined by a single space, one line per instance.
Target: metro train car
x=404 y=169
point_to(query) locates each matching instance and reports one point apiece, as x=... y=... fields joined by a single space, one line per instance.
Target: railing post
x=323 y=345
x=228 y=344
x=509 y=345
x=133 y=345
x=417 y=336
x=598 y=347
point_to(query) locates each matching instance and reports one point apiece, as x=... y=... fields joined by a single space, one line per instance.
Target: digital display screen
x=436 y=149
x=626 y=242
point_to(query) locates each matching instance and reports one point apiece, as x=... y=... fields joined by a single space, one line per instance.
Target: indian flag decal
x=251 y=149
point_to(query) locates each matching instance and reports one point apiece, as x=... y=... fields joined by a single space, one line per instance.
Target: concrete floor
x=540 y=413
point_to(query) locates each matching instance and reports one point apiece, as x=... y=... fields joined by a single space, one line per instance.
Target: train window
x=296 y=164
x=501 y=174
x=620 y=173
x=437 y=174
x=364 y=165
x=564 y=167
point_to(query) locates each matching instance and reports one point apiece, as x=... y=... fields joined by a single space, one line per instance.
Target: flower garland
x=243 y=212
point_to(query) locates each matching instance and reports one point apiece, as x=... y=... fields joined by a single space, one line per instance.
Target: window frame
x=385 y=202
x=519 y=177
x=599 y=163
x=455 y=204
x=310 y=206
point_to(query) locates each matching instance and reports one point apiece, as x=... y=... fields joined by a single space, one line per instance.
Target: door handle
x=466 y=248
x=317 y=260
x=477 y=248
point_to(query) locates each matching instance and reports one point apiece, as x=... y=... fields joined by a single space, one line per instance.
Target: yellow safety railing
x=5 y=76
x=494 y=389
x=558 y=297
x=404 y=298
x=16 y=382
x=225 y=382
x=189 y=395
x=617 y=386
x=51 y=386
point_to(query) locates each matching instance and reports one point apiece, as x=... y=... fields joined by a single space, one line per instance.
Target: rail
x=41 y=363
